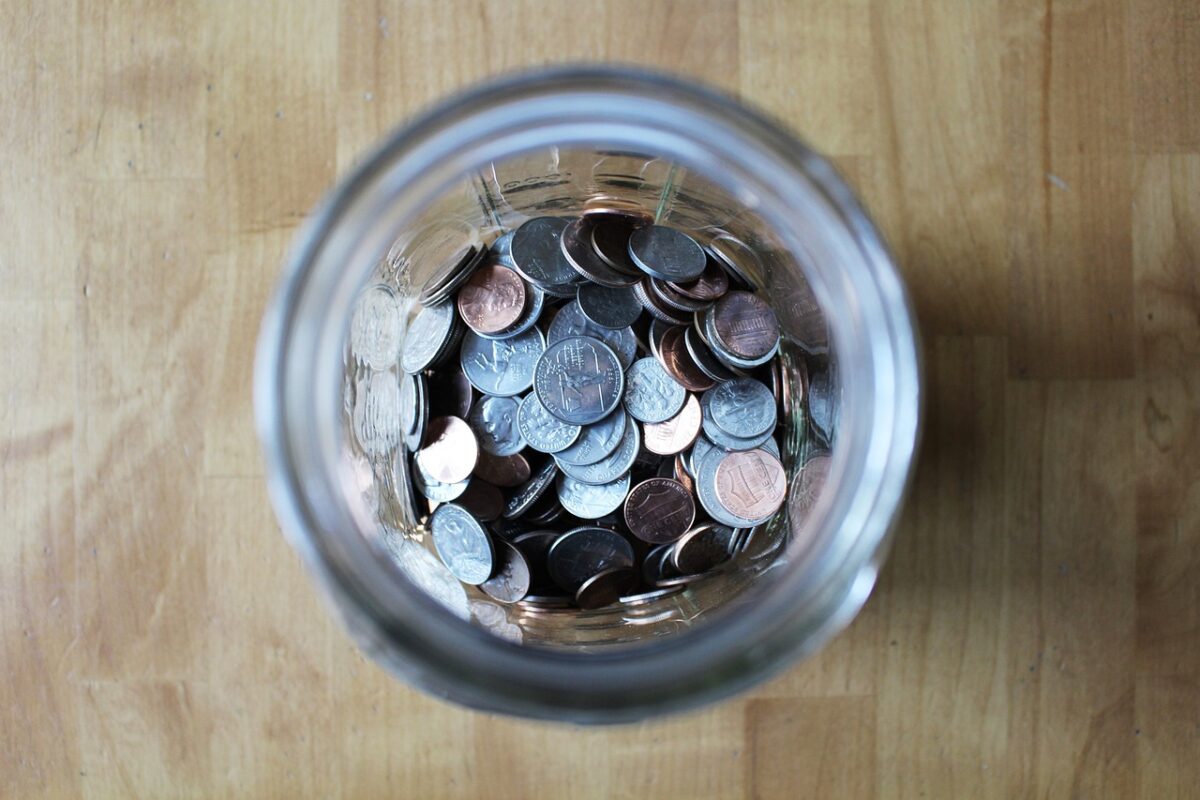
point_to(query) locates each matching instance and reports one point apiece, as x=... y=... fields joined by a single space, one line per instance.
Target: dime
x=666 y=253
x=512 y=577
x=651 y=395
x=592 y=502
x=377 y=328
x=492 y=300
x=451 y=452
x=462 y=544
x=429 y=332
x=576 y=242
x=605 y=587
x=502 y=367
x=537 y=254
x=743 y=408
x=745 y=325
x=595 y=441
x=608 y=307
x=718 y=436
x=507 y=471
x=570 y=322
x=579 y=380
x=543 y=431
x=659 y=510
x=494 y=421
x=583 y=552
x=751 y=484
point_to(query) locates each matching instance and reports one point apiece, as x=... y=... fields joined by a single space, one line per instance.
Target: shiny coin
x=583 y=552
x=650 y=597
x=610 y=240
x=376 y=416
x=605 y=588
x=451 y=452
x=434 y=489
x=579 y=380
x=743 y=407
x=611 y=467
x=507 y=471
x=492 y=300
x=502 y=367
x=659 y=510
x=576 y=242
x=666 y=253
x=482 y=500
x=595 y=441
x=657 y=308
x=570 y=322
x=745 y=326
x=512 y=576
x=376 y=329
x=537 y=254
x=592 y=502
x=530 y=491
x=702 y=549
x=710 y=286
x=651 y=395
x=414 y=437
x=718 y=436
x=675 y=434
x=409 y=413
x=494 y=422
x=451 y=248
x=751 y=484
x=429 y=332
x=678 y=363
x=543 y=431
x=501 y=249
x=608 y=307
x=462 y=544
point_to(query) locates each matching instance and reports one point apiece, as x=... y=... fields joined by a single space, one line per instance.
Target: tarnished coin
x=576 y=243
x=530 y=491
x=507 y=471
x=451 y=452
x=512 y=576
x=666 y=253
x=583 y=552
x=703 y=548
x=492 y=300
x=651 y=395
x=450 y=393
x=482 y=500
x=704 y=358
x=543 y=431
x=579 y=380
x=745 y=325
x=743 y=407
x=738 y=259
x=502 y=367
x=659 y=510
x=595 y=441
x=610 y=240
x=676 y=434
x=537 y=253
x=678 y=363
x=462 y=544
x=570 y=322
x=494 y=421
x=428 y=334
x=377 y=413
x=611 y=467
x=376 y=330
x=605 y=588
x=608 y=307
x=751 y=484
x=534 y=545
x=592 y=502
x=710 y=286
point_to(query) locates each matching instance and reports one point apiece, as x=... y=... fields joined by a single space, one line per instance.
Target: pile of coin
x=588 y=407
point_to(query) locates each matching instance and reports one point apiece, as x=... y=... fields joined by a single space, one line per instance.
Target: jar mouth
x=301 y=345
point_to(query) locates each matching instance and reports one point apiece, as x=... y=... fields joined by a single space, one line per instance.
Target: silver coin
x=431 y=297
x=592 y=502
x=611 y=467
x=429 y=332
x=703 y=548
x=531 y=490
x=541 y=430
x=502 y=367
x=608 y=307
x=434 y=489
x=462 y=543
x=501 y=249
x=537 y=252
x=651 y=395
x=376 y=418
x=706 y=493
x=667 y=254
x=595 y=441
x=720 y=437
x=579 y=380
x=570 y=322
x=409 y=415
x=377 y=328
x=656 y=564
x=582 y=552
x=576 y=243
x=821 y=403
x=743 y=407
x=512 y=577
x=702 y=354
x=494 y=420
x=646 y=598
x=414 y=437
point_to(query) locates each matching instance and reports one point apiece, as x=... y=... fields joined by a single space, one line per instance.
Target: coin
x=451 y=452
x=666 y=295
x=512 y=576
x=666 y=253
x=743 y=407
x=675 y=434
x=450 y=393
x=377 y=413
x=611 y=467
x=807 y=486
x=704 y=358
x=659 y=510
x=436 y=490
x=821 y=401
x=751 y=484
x=718 y=436
x=738 y=259
x=711 y=284
x=501 y=249
x=657 y=308
x=579 y=380
x=535 y=301
x=462 y=544
x=481 y=499
x=608 y=307
x=576 y=243
x=651 y=395
x=409 y=413
x=429 y=332
x=502 y=367
x=494 y=422
x=648 y=598
x=492 y=300
x=537 y=254
x=530 y=491
x=376 y=330
x=570 y=322
x=507 y=471
x=583 y=552
x=702 y=548
x=543 y=431
x=745 y=325
x=610 y=240
x=451 y=247
x=414 y=437
x=673 y=354
x=595 y=441
x=591 y=502
x=604 y=588
x=534 y=545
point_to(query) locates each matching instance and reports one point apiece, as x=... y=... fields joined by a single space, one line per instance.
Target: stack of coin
x=588 y=407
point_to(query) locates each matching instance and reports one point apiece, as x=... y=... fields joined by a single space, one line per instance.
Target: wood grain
x=1036 y=633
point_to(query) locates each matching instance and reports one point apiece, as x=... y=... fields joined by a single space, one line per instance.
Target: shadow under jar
x=336 y=420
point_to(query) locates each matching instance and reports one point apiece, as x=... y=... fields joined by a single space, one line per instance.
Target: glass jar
x=554 y=142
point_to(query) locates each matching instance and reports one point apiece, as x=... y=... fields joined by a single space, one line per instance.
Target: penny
x=745 y=325
x=675 y=434
x=579 y=380
x=481 y=499
x=663 y=292
x=428 y=333
x=462 y=544
x=608 y=307
x=502 y=367
x=494 y=422
x=570 y=322
x=595 y=441
x=610 y=240
x=604 y=588
x=530 y=491
x=651 y=395
x=583 y=552
x=436 y=490
x=512 y=577
x=535 y=301
x=679 y=365
x=751 y=484
x=743 y=407
x=537 y=254
x=702 y=548
x=591 y=502
x=666 y=253
x=492 y=300
x=679 y=473
x=576 y=243
x=451 y=452
x=541 y=430
x=377 y=328
x=611 y=467
x=506 y=471
x=659 y=510
x=711 y=284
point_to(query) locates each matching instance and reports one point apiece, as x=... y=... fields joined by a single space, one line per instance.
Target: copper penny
x=679 y=470
x=678 y=363
x=605 y=587
x=751 y=484
x=659 y=510
x=506 y=471
x=676 y=434
x=482 y=499
x=451 y=452
x=492 y=300
x=711 y=285
x=746 y=325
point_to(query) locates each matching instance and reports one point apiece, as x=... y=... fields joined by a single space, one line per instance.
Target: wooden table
x=1036 y=165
